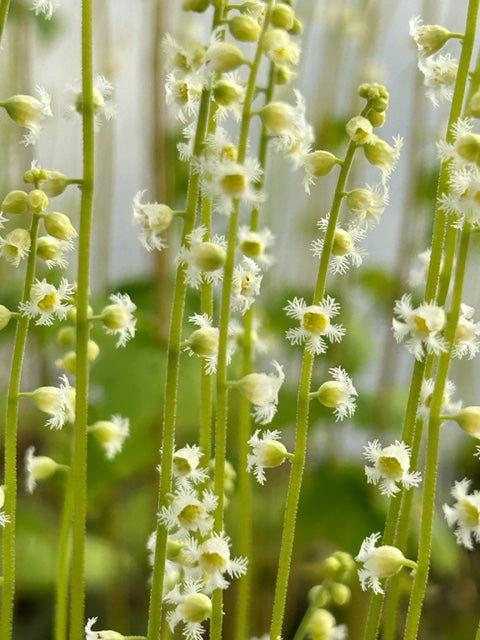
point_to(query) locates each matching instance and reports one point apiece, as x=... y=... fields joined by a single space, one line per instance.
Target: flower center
x=421 y=325
x=234 y=183
x=189 y=514
x=213 y=560
x=390 y=466
x=315 y=322
x=47 y=302
x=342 y=243
x=469 y=515
x=463 y=332
x=251 y=247
x=182 y=464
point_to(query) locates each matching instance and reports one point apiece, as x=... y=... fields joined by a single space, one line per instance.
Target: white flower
x=203 y=260
x=2 y=220
x=186 y=57
x=463 y=152
x=315 y=324
x=246 y=283
x=440 y=74
x=296 y=140
x=465 y=513
x=102 y=106
x=52 y=251
x=15 y=246
x=204 y=342
x=47 y=7
x=390 y=466
x=100 y=635
x=188 y=512
x=192 y=608
x=254 y=244
x=418 y=276
x=280 y=48
x=466 y=332
x=423 y=326
x=186 y=465
x=185 y=91
x=118 y=318
x=462 y=200
x=267 y=452
x=261 y=389
x=367 y=204
x=426 y=391
x=4 y=518
x=111 y=434
x=345 y=251
x=429 y=38
x=379 y=562
x=214 y=561
x=29 y=112
x=37 y=468
x=383 y=155
x=153 y=219
x=58 y=402
x=47 y=301
x=339 y=393
x=229 y=94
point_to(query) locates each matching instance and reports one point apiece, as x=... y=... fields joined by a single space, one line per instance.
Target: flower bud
x=359 y=130
x=49 y=248
x=468 y=147
x=282 y=16
x=54 y=183
x=34 y=175
x=272 y=453
x=209 y=256
x=321 y=625
x=199 y=6
x=297 y=28
x=342 y=243
x=203 y=341
x=468 y=419
x=27 y=111
x=244 y=28
x=226 y=92
x=43 y=467
x=320 y=163
x=174 y=548
x=341 y=594
x=375 y=94
x=319 y=596
x=196 y=607
x=225 y=56
x=432 y=37
x=277 y=116
x=115 y=317
x=331 y=394
x=15 y=202
x=385 y=561
x=97 y=99
x=37 y=200
x=72 y=313
x=282 y=74
x=5 y=315
x=346 y=560
x=59 y=225
x=376 y=118
x=68 y=362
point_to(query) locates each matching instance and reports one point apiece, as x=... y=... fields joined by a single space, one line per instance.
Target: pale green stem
x=430 y=475
x=10 y=464
x=79 y=461
x=303 y=402
x=63 y=564
x=171 y=385
x=4 y=4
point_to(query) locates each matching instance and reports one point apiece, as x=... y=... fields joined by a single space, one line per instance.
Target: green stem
x=303 y=402
x=11 y=428
x=4 y=5
x=79 y=461
x=430 y=476
x=63 y=564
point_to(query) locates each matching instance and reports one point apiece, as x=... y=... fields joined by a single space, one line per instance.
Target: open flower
x=339 y=393
x=192 y=608
x=153 y=219
x=47 y=301
x=47 y=7
x=466 y=334
x=345 y=249
x=58 y=402
x=186 y=463
x=102 y=106
x=315 y=324
x=203 y=259
x=464 y=151
x=448 y=405
x=440 y=74
x=261 y=389
x=390 y=466
x=367 y=204
x=246 y=283
x=15 y=246
x=254 y=244
x=379 y=562
x=118 y=318
x=465 y=514
x=111 y=434
x=188 y=512
x=423 y=326
x=267 y=452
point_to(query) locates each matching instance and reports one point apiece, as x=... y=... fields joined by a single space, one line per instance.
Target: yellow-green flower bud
x=72 y=313
x=283 y=17
x=376 y=118
x=375 y=94
x=468 y=147
x=93 y=350
x=26 y=111
x=68 y=362
x=49 y=248
x=34 y=175
x=341 y=594
x=115 y=317
x=174 y=548
x=15 y=202
x=98 y=102
x=272 y=453
x=346 y=560
x=342 y=243
x=277 y=116
x=54 y=183
x=244 y=28
x=203 y=341
x=297 y=28
x=380 y=154
x=386 y=561
x=282 y=74
x=330 y=566
x=320 y=163
x=42 y=467
x=196 y=607
x=321 y=625
x=37 y=200
x=226 y=92
x=331 y=394
x=319 y=596
x=5 y=315
x=225 y=56
x=199 y=6
x=468 y=419
x=59 y=225
x=209 y=256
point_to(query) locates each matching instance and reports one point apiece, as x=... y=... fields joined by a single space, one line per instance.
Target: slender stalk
x=79 y=462
x=4 y=5
x=10 y=464
x=303 y=402
x=63 y=564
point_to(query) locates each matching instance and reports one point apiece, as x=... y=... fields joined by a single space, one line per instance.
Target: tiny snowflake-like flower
x=45 y=7
x=118 y=318
x=379 y=562
x=37 y=468
x=462 y=200
x=367 y=204
x=338 y=394
x=315 y=324
x=52 y=251
x=29 y=112
x=184 y=91
x=423 y=326
x=4 y=518
x=463 y=151
x=254 y=244
x=47 y=302
x=261 y=389
x=58 y=402
x=440 y=74
x=186 y=463
x=466 y=334
x=295 y=141
x=267 y=452
x=204 y=342
x=345 y=250
x=111 y=434
x=153 y=219
x=203 y=259
x=192 y=608
x=100 y=635
x=188 y=511
x=102 y=106
x=426 y=391
x=246 y=283
x=15 y=246
x=390 y=466
x=465 y=513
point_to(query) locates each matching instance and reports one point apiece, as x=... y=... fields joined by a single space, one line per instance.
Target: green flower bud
x=468 y=147
x=203 y=341
x=199 y=6
x=468 y=419
x=432 y=37
x=282 y=74
x=321 y=625
x=59 y=225
x=297 y=28
x=34 y=175
x=49 y=248
x=43 y=467
x=37 y=200
x=54 y=183
x=341 y=594
x=283 y=17
x=376 y=118
x=320 y=163
x=244 y=28
x=209 y=256
x=196 y=607
x=15 y=202
x=225 y=56
x=342 y=243
x=319 y=596
x=375 y=94
x=5 y=315
x=66 y=336
x=226 y=92
x=277 y=116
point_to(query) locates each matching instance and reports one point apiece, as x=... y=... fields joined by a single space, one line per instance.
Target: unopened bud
x=209 y=256
x=244 y=28
x=468 y=419
x=37 y=200
x=320 y=163
x=318 y=596
x=225 y=56
x=199 y=6
x=59 y=225
x=468 y=147
x=283 y=17
x=5 y=315
x=340 y=593
x=15 y=202
x=226 y=92
x=203 y=341
x=196 y=607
